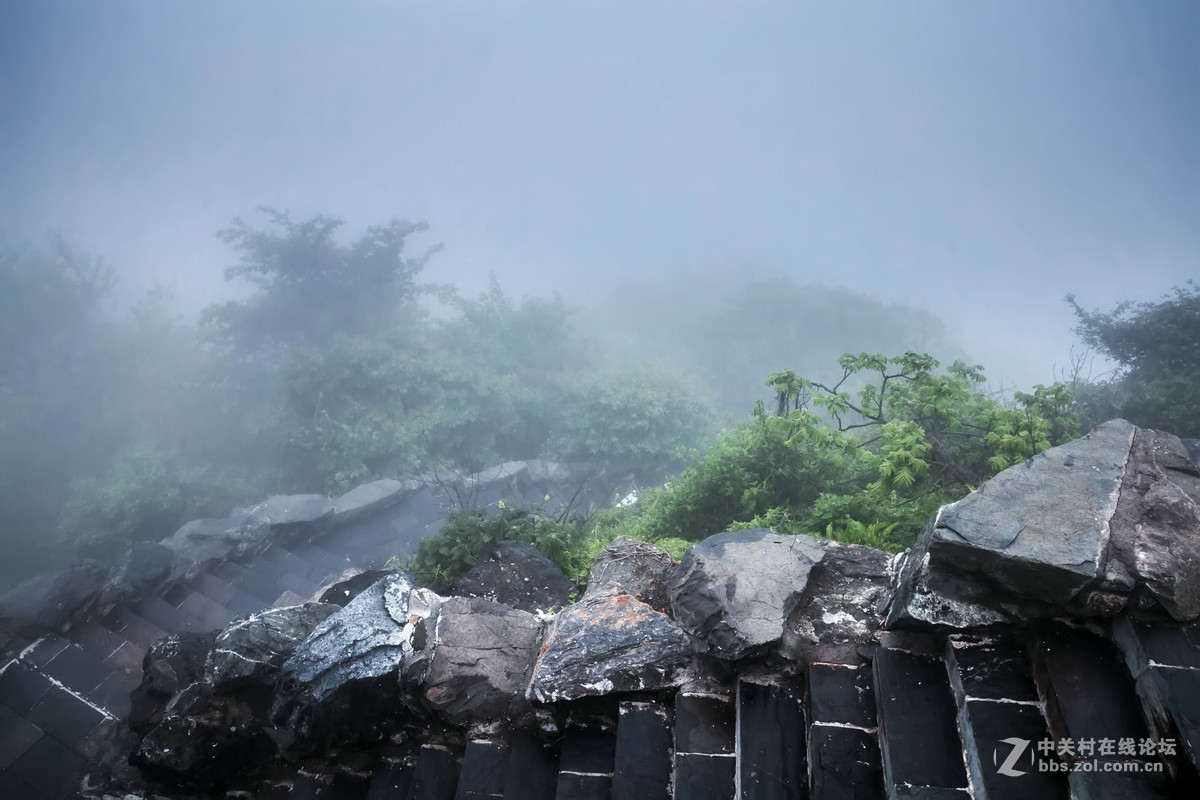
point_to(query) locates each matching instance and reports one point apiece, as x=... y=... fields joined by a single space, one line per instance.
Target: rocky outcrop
x=171 y=665
x=45 y=603
x=356 y=661
x=628 y=566
x=482 y=655
x=609 y=644
x=516 y=574
x=1093 y=528
x=733 y=592
x=251 y=651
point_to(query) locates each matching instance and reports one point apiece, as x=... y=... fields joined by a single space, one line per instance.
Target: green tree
x=1157 y=350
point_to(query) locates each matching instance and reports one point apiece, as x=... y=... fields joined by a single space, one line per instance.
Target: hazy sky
x=980 y=159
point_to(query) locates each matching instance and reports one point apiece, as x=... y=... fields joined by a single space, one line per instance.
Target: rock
x=482 y=659
x=368 y=499
x=250 y=651
x=628 y=566
x=170 y=666
x=733 y=592
x=351 y=584
x=360 y=662
x=206 y=747
x=145 y=567
x=204 y=541
x=516 y=574
x=839 y=616
x=44 y=604
x=290 y=514
x=608 y=644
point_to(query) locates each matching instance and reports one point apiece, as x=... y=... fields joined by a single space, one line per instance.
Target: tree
x=1157 y=350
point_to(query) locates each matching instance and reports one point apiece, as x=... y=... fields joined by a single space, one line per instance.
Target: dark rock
x=844 y=764
x=44 y=604
x=145 y=567
x=642 y=763
x=838 y=617
x=205 y=541
x=516 y=574
x=733 y=592
x=170 y=666
x=770 y=741
x=348 y=588
x=358 y=662
x=628 y=566
x=292 y=512
x=205 y=747
x=839 y=694
x=482 y=658
x=608 y=644
x=252 y=650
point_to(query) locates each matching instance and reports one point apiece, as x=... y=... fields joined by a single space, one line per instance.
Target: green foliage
x=871 y=469
x=147 y=494
x=1157 y=349
x=468 y=534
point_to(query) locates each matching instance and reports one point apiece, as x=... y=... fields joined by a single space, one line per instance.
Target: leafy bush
x=467 y=535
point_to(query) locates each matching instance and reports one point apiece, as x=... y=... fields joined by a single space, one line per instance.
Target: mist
x=948 y=170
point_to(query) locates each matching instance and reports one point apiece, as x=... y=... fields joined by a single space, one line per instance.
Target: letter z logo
x=1019 y=746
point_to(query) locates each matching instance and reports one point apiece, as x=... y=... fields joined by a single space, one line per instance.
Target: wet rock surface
x=252 y=650
x=733 y=592
x=482 y=656
x=43 y=604
x=516 y=574
x=627 y=566
x=170 y=666
x=608 y=644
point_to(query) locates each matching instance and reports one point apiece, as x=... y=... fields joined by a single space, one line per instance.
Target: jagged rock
x=375 y=644
x=482 y=658
x=838 y=618
x=170 y=666
x=292 y=513
x=608 y=644
x=205 y=747
x=251 y=650
x=628 y=566
x=203 y=541
x=516 y=574
x=145 y=567
x=370 y=498
x=351 y=584
x=43 y=604
x=733 y=592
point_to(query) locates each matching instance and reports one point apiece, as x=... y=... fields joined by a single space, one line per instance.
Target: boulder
x=516 y=574
x=45 y=603
x=628 y=566
x=360 y=661
x=1092 y=528
x=252 y=650
x=839 y=616
x=203 y=541
x=145 y=567
x=608 y=644
x=170 y=666
x=733 y=592
x=290 y=514
x=351 y=583
x=482 y=658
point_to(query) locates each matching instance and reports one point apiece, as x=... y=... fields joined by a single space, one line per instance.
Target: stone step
x=391 y=779
x=77 y=669
x=1089 y=698
x=770 y=742
x=1164 y=661
x=167 y=617
x=705 y=764
x=918 y=737
x=1000 y=719
x=238 y=602
x=532 y=769
x=642 y=764
x=124 y=621
x=257 y=582
x=484 y=770
x=585 y=763
x=844 y=762
x=435 y=776
x=210 y=613
x=111 y=648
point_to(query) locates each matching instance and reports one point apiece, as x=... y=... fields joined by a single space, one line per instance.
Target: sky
x=979 y=160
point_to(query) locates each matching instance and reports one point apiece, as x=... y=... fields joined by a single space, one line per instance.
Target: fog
x=979 y=160
x=964 y=165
